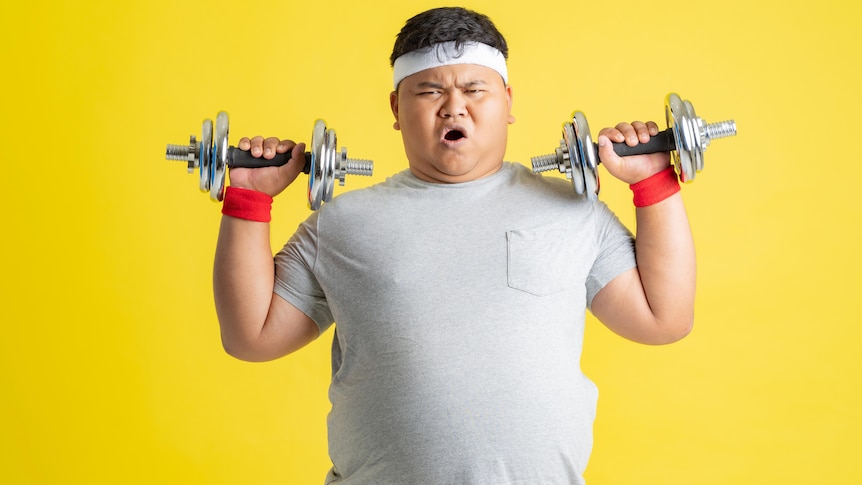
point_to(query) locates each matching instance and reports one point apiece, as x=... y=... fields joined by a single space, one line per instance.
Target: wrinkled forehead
x=457 y=75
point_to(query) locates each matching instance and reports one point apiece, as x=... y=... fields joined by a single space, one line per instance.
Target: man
x=459 y=286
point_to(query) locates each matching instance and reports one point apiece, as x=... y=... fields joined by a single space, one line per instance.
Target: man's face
x=454 y=121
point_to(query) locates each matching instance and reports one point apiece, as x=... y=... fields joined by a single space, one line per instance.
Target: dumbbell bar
x=686 y=138
x=323 y=164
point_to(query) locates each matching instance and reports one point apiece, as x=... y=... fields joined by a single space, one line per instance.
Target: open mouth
x=454 y=134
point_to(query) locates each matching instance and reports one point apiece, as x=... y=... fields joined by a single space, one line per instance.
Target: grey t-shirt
x=460 y=312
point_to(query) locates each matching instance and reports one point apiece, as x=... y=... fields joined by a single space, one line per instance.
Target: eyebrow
x=436 y=85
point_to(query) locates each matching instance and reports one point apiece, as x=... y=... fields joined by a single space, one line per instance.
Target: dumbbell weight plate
x=588 y=159
x=319 y=173
x=697 y=128
x=330 y=164
x=573 y=152
x=220 y=154
x=205 y=154
x=688 y=156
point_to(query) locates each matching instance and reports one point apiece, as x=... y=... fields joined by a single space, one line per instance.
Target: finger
x=244 y=143
x=629 y=132
x=269 y=147
x=641 y=130
x=297 y=158
x=607 y=154
x=256 y=146
x=613 y=134
x=284 y=146
x=653 y=128
x=295 y=166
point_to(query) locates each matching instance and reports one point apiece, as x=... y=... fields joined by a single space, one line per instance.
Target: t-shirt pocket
x=541 y=262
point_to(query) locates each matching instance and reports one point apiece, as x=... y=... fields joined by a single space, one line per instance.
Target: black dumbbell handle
x=237 y=158
x=665 y=141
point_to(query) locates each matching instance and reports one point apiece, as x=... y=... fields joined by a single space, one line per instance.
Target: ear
x=510 y=101
x=393 y=104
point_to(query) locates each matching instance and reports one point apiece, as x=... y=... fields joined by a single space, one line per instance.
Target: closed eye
x=433 y=94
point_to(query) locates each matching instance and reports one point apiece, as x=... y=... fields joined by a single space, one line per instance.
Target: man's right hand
x=269 y=180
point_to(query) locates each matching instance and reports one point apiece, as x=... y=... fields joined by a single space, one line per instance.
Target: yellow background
x=111 y=369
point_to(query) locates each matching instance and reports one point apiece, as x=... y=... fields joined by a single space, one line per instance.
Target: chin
x=465 y=172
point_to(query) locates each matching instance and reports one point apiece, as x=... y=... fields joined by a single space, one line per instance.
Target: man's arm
x=256 y=324
x=654 y=302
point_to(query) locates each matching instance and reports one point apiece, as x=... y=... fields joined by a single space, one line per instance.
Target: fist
x=634 y=168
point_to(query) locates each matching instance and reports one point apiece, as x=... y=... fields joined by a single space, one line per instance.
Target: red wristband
x=247 y=204
x=656 y=188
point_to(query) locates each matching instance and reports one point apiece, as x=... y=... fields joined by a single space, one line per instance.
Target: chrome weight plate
x=689 y=152
x=698 y=129
x=329 y=157
x=316 y=172
x=205 y=154
x=571 y=156
x=587 y=154
x=219 y=163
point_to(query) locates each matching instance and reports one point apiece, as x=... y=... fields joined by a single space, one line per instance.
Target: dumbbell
x=686 y=138
x=323 y=164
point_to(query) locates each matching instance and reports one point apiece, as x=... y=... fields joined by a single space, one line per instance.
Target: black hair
x=447 y=24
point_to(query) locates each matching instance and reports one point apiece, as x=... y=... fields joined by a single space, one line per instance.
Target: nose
x=453 y=106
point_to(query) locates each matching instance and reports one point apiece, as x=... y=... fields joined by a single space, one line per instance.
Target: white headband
x=445 y=54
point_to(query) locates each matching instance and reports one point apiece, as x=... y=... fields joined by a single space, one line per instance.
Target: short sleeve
x=295 y=279
x=616 y=251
